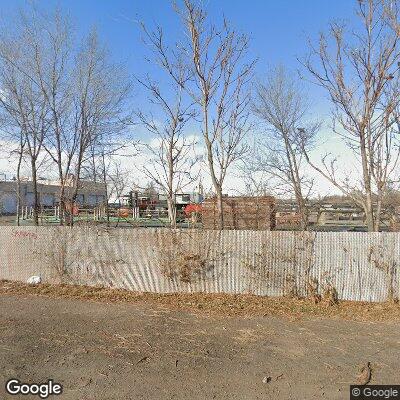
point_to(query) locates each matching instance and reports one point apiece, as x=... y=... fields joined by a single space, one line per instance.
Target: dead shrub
x=382 y=259
x=312 y=290
x=190 y=266
x=290 y=287
x=55 y=256
x=330 y=295
x=178 y=262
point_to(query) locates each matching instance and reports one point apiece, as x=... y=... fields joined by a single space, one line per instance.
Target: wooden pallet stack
x=253 y=213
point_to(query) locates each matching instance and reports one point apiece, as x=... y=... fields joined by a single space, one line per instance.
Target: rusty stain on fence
x=357 y=266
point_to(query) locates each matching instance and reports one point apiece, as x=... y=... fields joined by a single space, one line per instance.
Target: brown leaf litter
x=216 y=303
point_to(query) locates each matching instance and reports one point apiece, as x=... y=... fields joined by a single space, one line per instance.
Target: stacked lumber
x=289 y=219
x=253 y=213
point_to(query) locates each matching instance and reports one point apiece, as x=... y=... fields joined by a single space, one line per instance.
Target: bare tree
x=360 y=75
x=283 y=108
x=214 y=59
x=256 y=180
x=73 y=95
x=171 y=154
x=14 y=146
x=98 y=117
x=21 y=97
x=20 y=153
x=53 y=67
x=118 y=179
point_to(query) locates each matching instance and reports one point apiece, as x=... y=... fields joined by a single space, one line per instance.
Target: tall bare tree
x=359 y=72
x=14 y=145
x=283 y=108
x=67 y=98
x=52 y=72
x=19 y=151
x=100 y=92
x=21 y=97
x=218 y=70
x=171 y=153
x=86 y=94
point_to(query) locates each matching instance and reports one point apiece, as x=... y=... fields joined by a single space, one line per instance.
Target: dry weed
x=216 y=304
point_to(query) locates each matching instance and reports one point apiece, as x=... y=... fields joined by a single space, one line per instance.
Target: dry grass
x=219 y=304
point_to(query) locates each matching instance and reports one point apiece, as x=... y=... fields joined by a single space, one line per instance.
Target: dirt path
x=144 y=351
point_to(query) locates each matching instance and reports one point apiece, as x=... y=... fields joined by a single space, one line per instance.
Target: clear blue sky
x=278 y=28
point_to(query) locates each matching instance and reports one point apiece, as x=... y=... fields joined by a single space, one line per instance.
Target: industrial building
x=89 y=194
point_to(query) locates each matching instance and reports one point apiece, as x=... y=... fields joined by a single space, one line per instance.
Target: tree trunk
x=217 y=185
x=72 y=204
x=220 y=208
x=301 y=206
x=19 y=187
x=377 y=216
x=62 y=189
x=171 y=211
x=295 y=179
x=18 y=201
x=62 y=203
x=210 y=158
x=75 y=189
x=368 y=208
x=35 y=193
x=369 y=213
x=303 y=213
x=107 y=211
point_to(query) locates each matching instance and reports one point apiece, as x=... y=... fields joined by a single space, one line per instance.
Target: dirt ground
x=151 y=350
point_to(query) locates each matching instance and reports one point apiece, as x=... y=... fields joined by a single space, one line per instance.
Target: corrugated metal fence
x=360 y=266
